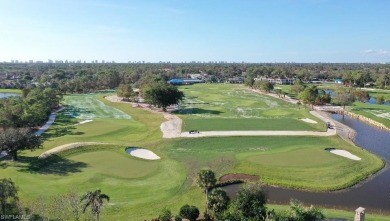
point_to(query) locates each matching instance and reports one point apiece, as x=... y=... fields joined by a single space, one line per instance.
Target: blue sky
x=196 y=30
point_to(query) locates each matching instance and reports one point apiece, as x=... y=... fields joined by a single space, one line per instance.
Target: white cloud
x=376 y=52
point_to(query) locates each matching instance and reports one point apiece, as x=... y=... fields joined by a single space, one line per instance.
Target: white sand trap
x=310 y=121
x=346 y=154
x=85 y=121
x=142 y=153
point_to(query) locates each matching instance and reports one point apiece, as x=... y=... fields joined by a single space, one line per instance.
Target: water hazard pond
x=373 y=194
x=4 y=95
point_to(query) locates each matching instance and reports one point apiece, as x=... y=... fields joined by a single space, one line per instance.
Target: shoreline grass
x=13 y=91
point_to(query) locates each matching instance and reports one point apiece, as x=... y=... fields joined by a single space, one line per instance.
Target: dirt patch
x=238 y=176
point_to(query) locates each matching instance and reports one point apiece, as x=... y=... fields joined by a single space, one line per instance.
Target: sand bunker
x=142 y=153
x=310 y=121
x=345 y=153
x=85 y=121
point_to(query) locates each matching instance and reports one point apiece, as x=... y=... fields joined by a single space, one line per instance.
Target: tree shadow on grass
x=60 y=131
x=197 y=111
x=3 y=165
x=54 y=165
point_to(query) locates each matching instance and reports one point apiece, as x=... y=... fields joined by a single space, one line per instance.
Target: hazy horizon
x=280 y=31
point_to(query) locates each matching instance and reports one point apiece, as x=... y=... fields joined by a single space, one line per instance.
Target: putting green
x=113 y=164
x=316 y=157
x=297 y=162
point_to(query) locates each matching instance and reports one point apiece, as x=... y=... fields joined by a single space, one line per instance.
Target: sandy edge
x=66 y=147
x=345 y=154
x=142 y=153
x=84 y=122
x=308 y=120
x=170 y=128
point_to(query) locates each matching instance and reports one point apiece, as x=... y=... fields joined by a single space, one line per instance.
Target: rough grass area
x=296 y=162
x=234 y=107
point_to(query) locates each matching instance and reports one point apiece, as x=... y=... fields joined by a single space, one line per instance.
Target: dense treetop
x=79 y=77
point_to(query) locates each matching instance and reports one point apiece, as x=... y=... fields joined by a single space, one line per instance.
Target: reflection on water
x=373 y=194
x=4 y=95
x=372 y=100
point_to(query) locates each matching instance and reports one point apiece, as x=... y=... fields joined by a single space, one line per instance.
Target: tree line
x=66 y=206
x=81 y=78
x=20 y=115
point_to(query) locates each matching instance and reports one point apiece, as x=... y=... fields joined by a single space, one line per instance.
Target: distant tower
x=360 y=214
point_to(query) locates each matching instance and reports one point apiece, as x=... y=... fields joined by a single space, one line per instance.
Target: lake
x=4 y=95
x=373 y=194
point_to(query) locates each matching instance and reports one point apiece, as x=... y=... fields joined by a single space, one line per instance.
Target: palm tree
x=95 y=200
x=206 y=180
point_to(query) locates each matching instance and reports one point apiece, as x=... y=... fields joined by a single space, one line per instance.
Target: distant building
x=235 y=80
x=276 y=80
x=184 y=81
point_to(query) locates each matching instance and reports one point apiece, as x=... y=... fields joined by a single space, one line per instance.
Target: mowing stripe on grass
x=87 y=107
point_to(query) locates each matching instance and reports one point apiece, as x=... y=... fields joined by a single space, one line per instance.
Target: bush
x=165 y=215
x=189 y=212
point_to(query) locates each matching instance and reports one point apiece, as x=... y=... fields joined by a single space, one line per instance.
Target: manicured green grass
x=247 y=124
x=83 y=106
x=14 y=91
x=134 y=185
x=379 y=92
x=140 y=189
x=234 y=107
x=142 y=127
x=379 y=113
x=296 y=162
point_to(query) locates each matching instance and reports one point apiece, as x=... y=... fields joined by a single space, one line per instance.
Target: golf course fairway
x=139 y=189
